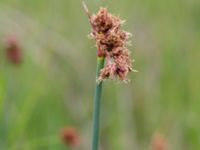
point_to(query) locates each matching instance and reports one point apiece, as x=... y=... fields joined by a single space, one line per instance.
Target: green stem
x=97 y=104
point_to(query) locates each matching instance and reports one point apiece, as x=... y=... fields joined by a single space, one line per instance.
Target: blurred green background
x=54 y=86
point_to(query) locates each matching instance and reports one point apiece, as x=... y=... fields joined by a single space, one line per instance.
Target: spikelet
x=111 y=42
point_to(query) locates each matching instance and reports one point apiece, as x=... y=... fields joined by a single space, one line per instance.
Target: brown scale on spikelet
x=111 y=42
x=104 y=21
x=109 y=71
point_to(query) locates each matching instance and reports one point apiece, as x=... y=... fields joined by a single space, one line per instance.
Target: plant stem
x=97 y=106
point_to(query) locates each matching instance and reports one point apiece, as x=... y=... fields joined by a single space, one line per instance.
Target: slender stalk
x=97 y=106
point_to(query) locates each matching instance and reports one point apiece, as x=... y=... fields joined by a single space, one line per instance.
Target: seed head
x=159 y=142
x=70 y=136
x=13 y=50
x=111 y=42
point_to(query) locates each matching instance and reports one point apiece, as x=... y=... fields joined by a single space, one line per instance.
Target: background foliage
x=53 y=87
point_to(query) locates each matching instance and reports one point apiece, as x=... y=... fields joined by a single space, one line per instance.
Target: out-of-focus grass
x=53 y=87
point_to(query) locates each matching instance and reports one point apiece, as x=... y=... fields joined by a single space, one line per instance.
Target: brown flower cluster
x=70 y=137
x=13 y=50
x=159 y=142
x=111 y=42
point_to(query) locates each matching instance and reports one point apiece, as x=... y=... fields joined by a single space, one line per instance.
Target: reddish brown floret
x=159 y=142
x=109 y=71
x=104 y=21
x=70 y=137
x=13 y=50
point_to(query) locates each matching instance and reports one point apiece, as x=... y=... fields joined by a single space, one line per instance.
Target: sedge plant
x=113 y=57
